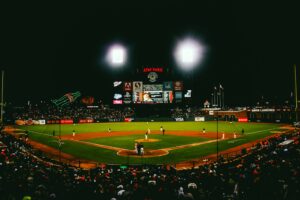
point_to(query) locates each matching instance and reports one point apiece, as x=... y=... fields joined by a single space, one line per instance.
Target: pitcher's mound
x=149 y=140
x=148 y=153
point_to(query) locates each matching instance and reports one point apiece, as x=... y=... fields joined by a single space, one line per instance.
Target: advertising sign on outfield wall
x=66 y=121
x=128 y=119
x=243 y=119
x=53 y=121
x=199 y=119
x=30 y=122
x=86 y=121
x=42 y=122
x=20 y=122
x=179 y=119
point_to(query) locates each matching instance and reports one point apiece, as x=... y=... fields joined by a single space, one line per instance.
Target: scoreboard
x=139 y=92
x=150 y=89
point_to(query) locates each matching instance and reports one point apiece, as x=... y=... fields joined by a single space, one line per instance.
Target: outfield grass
x=42 y=134
x=226 y=127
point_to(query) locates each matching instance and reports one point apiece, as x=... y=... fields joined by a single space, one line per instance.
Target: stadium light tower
x=189 y=53
x=116 y=55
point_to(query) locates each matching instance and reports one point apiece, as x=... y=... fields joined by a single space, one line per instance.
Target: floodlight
x=116 y=55
x=189 y=53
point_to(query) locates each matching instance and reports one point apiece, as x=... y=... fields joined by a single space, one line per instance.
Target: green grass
x=143 y=126
x=42 y=134
x=127 y=142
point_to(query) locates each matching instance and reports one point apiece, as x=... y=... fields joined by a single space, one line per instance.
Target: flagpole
x=296 y=93
x=217 y=137
x=217 y=98
x=215 y=94
x=2 y=92
x=223 y=98
x=220 y=97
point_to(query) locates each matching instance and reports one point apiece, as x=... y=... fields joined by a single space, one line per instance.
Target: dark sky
x=48 y=50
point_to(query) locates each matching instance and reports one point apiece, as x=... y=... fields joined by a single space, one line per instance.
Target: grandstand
x=267 y=170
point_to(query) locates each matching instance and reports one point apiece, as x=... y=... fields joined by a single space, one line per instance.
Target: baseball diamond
x=183 y=141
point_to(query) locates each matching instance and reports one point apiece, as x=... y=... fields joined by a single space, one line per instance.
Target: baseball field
x=182 y=141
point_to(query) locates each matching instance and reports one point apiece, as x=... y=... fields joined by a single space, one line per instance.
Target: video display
x=138 y=92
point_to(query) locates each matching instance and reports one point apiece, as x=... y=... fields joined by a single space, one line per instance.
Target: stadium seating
x=269 y=171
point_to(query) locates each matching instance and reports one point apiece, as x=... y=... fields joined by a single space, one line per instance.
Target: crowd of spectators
x=270 y=170
x=48 y=110
x=187 y=112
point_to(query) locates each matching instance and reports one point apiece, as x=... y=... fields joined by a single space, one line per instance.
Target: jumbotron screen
x=139 y=92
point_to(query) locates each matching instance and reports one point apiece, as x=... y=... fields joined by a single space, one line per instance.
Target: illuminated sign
x=152 y=76
x=127 y=86
x=243 y=119
x=153 y=69
x=178 y=85
x=137 y=86
x=127 y=98
x=188 y=94
x=168 y=85
x=117 y=101
x=66 y=121
x=117 y=96
x=86 y=121
x=117 y=83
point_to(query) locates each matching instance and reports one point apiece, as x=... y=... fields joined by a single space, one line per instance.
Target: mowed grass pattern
x=42 y=134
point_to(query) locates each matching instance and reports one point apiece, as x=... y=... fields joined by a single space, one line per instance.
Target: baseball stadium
x=155 y=134
x=188 y=142
x=182 y=102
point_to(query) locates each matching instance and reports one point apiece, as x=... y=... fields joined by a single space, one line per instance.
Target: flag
x=66 y=99
x=221 y=87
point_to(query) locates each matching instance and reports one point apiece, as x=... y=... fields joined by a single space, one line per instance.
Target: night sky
x=49 y=50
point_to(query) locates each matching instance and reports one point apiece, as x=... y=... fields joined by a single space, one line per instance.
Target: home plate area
x=147 y=153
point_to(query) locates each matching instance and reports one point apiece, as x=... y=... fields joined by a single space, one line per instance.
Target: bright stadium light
x=189 y=53
x=116 y=55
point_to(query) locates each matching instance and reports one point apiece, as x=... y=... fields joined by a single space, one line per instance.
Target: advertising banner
x=153 y=87
x=20 y=122
x=168 y=96
x=128 y=119
x=53 y=121
x=42 y=122
x=117 y=84
x=127 y=98
x=86 y=121
x=178 y=97
x=137 y=86
x=242 y=119
x=199 y=119
x=137 y=97
x=127 y=86
x=179 y=119
x=168 y=85
x=66 y=121
x=178 y=85
x=117 y=101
